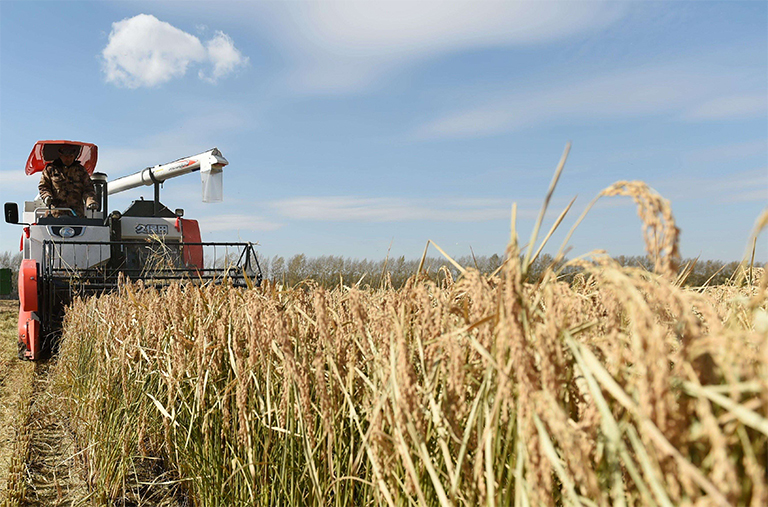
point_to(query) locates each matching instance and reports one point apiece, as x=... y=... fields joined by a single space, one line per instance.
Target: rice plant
x=620 y=388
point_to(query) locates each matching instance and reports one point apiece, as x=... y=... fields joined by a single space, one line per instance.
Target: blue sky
x=353 y=126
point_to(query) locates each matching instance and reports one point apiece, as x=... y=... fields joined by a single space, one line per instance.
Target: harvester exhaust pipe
x=100 y=185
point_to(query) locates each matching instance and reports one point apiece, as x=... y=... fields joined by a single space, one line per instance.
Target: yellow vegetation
x=622 y=388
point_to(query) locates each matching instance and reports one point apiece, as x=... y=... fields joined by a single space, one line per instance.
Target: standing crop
x=621 y=388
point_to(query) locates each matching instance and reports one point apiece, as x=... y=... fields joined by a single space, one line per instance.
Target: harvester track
x=41 y=463
x=54 y=472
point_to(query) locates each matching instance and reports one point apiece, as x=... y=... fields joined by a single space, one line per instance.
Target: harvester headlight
x=67 y=232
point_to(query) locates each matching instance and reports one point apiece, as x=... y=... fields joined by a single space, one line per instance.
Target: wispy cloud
x=753 y=195
x=732 y=107
x=144 y=51
x=14 y=177
x=684 y=91
x=729 y=152
x=189 y=135
x=236 y=222
x=737 y=186
x=18 y=184
x=341 y=47
x=360 y=209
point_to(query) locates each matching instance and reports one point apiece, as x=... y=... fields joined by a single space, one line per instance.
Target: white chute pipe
x=209 y=163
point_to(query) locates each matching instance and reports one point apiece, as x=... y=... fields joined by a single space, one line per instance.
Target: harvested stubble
x=620 y=389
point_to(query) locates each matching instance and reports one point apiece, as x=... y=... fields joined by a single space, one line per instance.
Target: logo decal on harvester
x=179 y=165
x=148 y=229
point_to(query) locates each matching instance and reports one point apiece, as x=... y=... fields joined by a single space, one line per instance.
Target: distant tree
x=277 y=269
x=538 y=266
x=264 y=264
x=12 y=261
x=296 y=270
x=330 y=270
x=494 y=262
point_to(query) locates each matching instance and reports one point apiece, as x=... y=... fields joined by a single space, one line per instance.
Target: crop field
x=620 y=388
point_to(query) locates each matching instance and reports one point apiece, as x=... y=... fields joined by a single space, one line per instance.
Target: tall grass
x=622 y=388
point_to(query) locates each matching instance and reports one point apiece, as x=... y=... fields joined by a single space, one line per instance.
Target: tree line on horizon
x=332 y=270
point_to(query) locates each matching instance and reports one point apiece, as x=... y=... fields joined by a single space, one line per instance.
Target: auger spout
x=210 y=164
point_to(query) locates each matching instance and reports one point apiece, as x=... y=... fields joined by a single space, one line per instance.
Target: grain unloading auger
x=69 y=255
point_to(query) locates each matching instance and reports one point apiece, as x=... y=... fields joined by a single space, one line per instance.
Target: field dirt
x=15 y=390
x=38 y=460
x=54 y=474
x=40 y=464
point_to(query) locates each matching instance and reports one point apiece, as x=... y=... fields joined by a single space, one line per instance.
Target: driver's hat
x=69 y=149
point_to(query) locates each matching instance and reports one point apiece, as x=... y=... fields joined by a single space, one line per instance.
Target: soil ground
x=54 y=471
x=15 y=392
x=38 y=461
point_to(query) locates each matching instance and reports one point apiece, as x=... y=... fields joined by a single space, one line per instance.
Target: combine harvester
x=68 y=255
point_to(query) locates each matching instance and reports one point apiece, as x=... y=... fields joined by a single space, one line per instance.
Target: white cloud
x=14 y=177
x=236 y=222
x=225 y=57
x=733 y=107
x=360 y=209
x=17 y=185
x=667 y=88
x=347 y=46
x=144 y=51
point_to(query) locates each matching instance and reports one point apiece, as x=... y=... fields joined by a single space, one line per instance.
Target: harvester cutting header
x=71 y=250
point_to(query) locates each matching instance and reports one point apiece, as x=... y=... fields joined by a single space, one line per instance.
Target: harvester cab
x=66 y=255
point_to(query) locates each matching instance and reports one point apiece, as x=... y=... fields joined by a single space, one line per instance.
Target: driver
x=65 y=183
